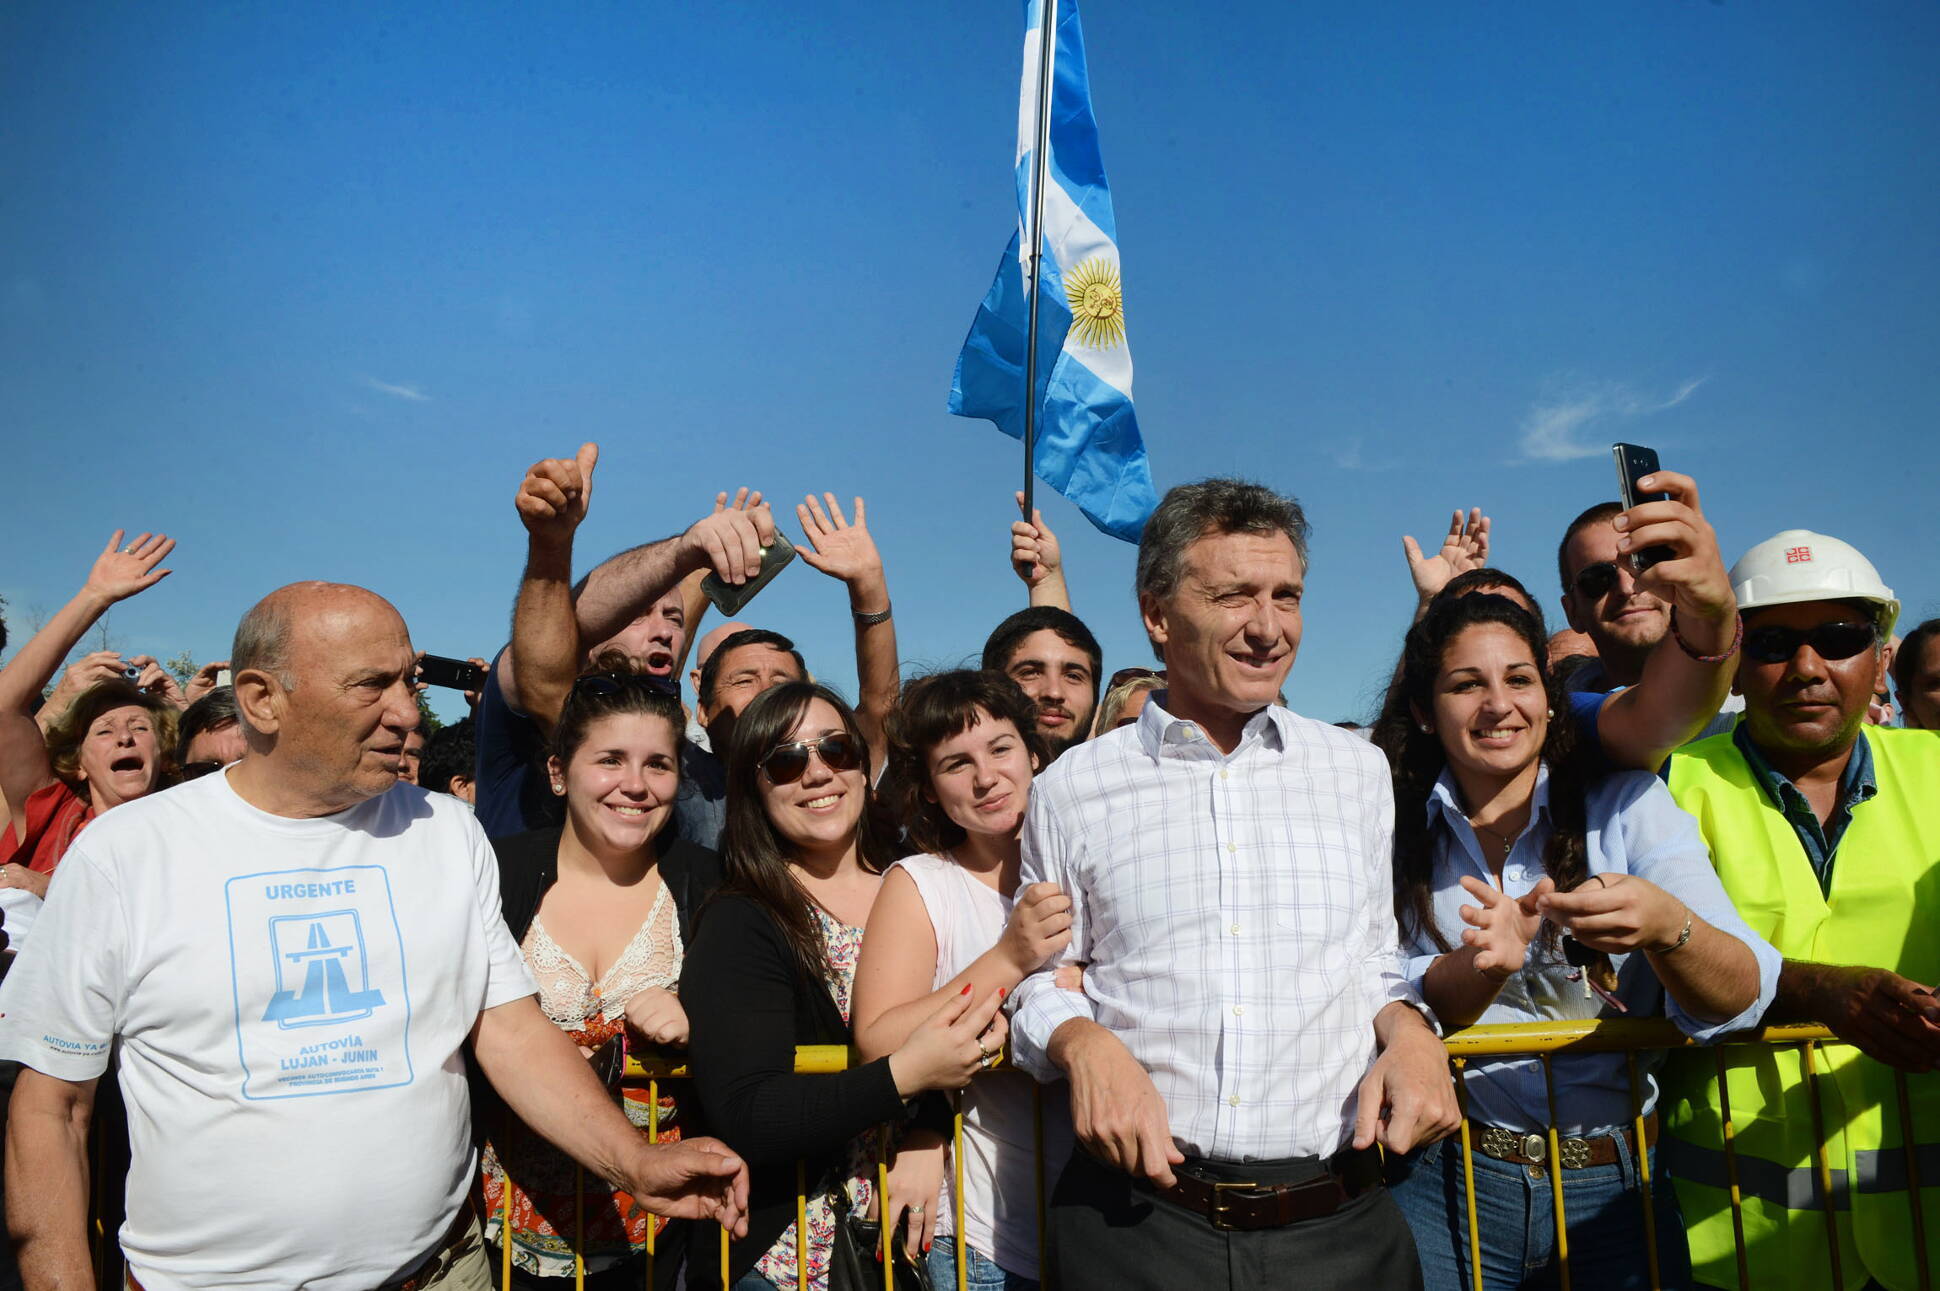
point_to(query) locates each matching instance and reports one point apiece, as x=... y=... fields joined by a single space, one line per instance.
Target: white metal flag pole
x=1034 y=237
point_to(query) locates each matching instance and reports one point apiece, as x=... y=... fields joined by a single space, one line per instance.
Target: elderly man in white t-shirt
x=293 y=954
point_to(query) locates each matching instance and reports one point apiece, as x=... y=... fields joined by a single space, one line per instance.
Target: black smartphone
x=728 y=598
x=453 y=674
x=1634 y=462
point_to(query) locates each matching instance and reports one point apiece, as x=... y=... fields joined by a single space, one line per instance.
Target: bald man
x=292 y=954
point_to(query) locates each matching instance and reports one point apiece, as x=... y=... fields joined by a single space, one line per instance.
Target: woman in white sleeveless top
x=962 y=751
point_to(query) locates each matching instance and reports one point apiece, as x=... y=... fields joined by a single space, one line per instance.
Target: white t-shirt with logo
x=292 y=998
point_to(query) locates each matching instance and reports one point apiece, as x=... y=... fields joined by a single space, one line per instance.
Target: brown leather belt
x=1247 y=1207
x=1575 y=1153
x=455 y=1243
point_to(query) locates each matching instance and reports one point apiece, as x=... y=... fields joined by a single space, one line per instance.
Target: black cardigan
x=528 y=865
x=748 y=1005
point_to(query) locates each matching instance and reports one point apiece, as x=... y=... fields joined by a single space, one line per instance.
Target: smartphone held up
x=1634 y=463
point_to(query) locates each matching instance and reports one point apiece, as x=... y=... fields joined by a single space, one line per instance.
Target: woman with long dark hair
x=602 y=907
x=1527 y=890
x=771 y=967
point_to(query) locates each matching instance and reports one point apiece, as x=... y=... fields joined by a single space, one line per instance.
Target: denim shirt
x=1632 y=826
x=1820 y=841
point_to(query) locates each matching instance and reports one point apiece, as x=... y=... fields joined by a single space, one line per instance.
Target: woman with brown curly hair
x=1527 y=889
x=963 y=750
x=114 y=743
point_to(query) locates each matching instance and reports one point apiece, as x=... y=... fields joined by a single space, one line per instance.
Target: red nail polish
x=1001 y=992
x=964 y=991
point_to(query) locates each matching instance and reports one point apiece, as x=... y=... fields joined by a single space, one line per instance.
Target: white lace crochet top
x=568 y=993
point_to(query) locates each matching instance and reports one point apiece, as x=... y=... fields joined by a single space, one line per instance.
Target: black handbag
x=855 y=1252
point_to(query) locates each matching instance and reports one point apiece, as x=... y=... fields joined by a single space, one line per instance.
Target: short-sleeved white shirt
x=291 y=999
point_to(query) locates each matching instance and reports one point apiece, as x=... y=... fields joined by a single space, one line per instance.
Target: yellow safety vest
x=1883 y=911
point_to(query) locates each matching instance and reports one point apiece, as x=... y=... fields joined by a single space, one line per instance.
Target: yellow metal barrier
x=1542 y=1040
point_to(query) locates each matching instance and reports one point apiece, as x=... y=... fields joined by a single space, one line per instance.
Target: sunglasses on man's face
x=1776 y=644
x=1593 y=582
x=787 y=763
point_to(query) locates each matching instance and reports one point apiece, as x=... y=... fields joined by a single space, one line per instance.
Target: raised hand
x=1501 y=928
x=838 y=548
x=204 y=680
x=553 y=497
x=121 y=571
x=89 y=670
x=157 y=680
x=1034 y=550
x=951 y=1045
x=1693 y=577
x=1466 y=547
x=1039 y=927
x=730 y=540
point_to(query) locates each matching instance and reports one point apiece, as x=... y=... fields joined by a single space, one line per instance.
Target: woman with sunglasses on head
x=1528 y=890
x=962 y=751
x=603 y=907
x=772 y=966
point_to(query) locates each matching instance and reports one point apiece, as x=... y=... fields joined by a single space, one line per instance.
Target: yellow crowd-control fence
x=1541 y=1040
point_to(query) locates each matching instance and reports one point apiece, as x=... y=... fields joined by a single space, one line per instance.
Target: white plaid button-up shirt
x=1235 y=913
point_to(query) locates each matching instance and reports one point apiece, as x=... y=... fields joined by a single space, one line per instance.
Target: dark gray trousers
x=1105 y=1232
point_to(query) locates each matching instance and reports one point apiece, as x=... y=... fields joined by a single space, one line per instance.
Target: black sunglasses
x=787 y=763
x=1776 y=643
x=1595 y=581
x=605 y=685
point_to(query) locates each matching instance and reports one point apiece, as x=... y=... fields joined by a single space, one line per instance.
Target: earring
x=1550 y=713
x=559 y=786
x=1426 y=729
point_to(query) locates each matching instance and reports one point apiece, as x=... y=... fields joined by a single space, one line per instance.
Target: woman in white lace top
x=602 y=907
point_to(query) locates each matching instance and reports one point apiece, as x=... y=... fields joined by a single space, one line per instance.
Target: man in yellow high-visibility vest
x=1826 y=834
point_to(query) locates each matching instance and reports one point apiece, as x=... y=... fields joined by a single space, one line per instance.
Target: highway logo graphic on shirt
x=317 y=961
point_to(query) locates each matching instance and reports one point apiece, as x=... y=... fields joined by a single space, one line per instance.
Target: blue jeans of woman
x=1515 y=1214
x=981 y=1273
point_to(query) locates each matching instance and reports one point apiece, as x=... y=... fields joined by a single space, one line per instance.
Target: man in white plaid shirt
x=1244 y=1036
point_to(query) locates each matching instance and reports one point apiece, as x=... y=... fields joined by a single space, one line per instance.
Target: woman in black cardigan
x=770 y=968
x=602 y=907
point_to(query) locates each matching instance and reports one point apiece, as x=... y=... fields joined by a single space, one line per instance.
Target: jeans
x=753 y=1281
x=1516 y=1216
x=982 y=1273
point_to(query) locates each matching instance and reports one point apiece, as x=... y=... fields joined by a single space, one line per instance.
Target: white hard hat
x=1799 y=565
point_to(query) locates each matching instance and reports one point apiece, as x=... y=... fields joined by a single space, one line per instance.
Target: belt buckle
x=1534 y=1146
x=1216 y=1214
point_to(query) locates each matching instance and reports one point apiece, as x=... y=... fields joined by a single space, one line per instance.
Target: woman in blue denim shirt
x=1504 y=848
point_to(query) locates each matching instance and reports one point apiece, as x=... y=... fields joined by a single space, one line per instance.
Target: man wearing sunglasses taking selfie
x=1825 y=835
x=1635 y=581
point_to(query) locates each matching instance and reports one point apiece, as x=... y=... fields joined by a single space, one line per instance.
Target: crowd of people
x=368 y=993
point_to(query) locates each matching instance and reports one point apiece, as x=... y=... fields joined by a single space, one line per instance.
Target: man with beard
x=1824 y=833
x=1053 y=657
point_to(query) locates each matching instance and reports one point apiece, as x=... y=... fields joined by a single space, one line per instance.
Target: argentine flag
x=1088 y=446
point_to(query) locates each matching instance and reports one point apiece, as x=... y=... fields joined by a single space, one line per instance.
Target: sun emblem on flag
x=1097 y=304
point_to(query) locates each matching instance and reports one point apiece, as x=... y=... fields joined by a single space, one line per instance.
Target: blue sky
x=309 y=286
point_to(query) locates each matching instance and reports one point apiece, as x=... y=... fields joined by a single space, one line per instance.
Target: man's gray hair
x=1189 y=512
x=263 y=641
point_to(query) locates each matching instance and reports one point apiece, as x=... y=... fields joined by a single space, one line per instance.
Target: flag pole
x=1034 y=237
